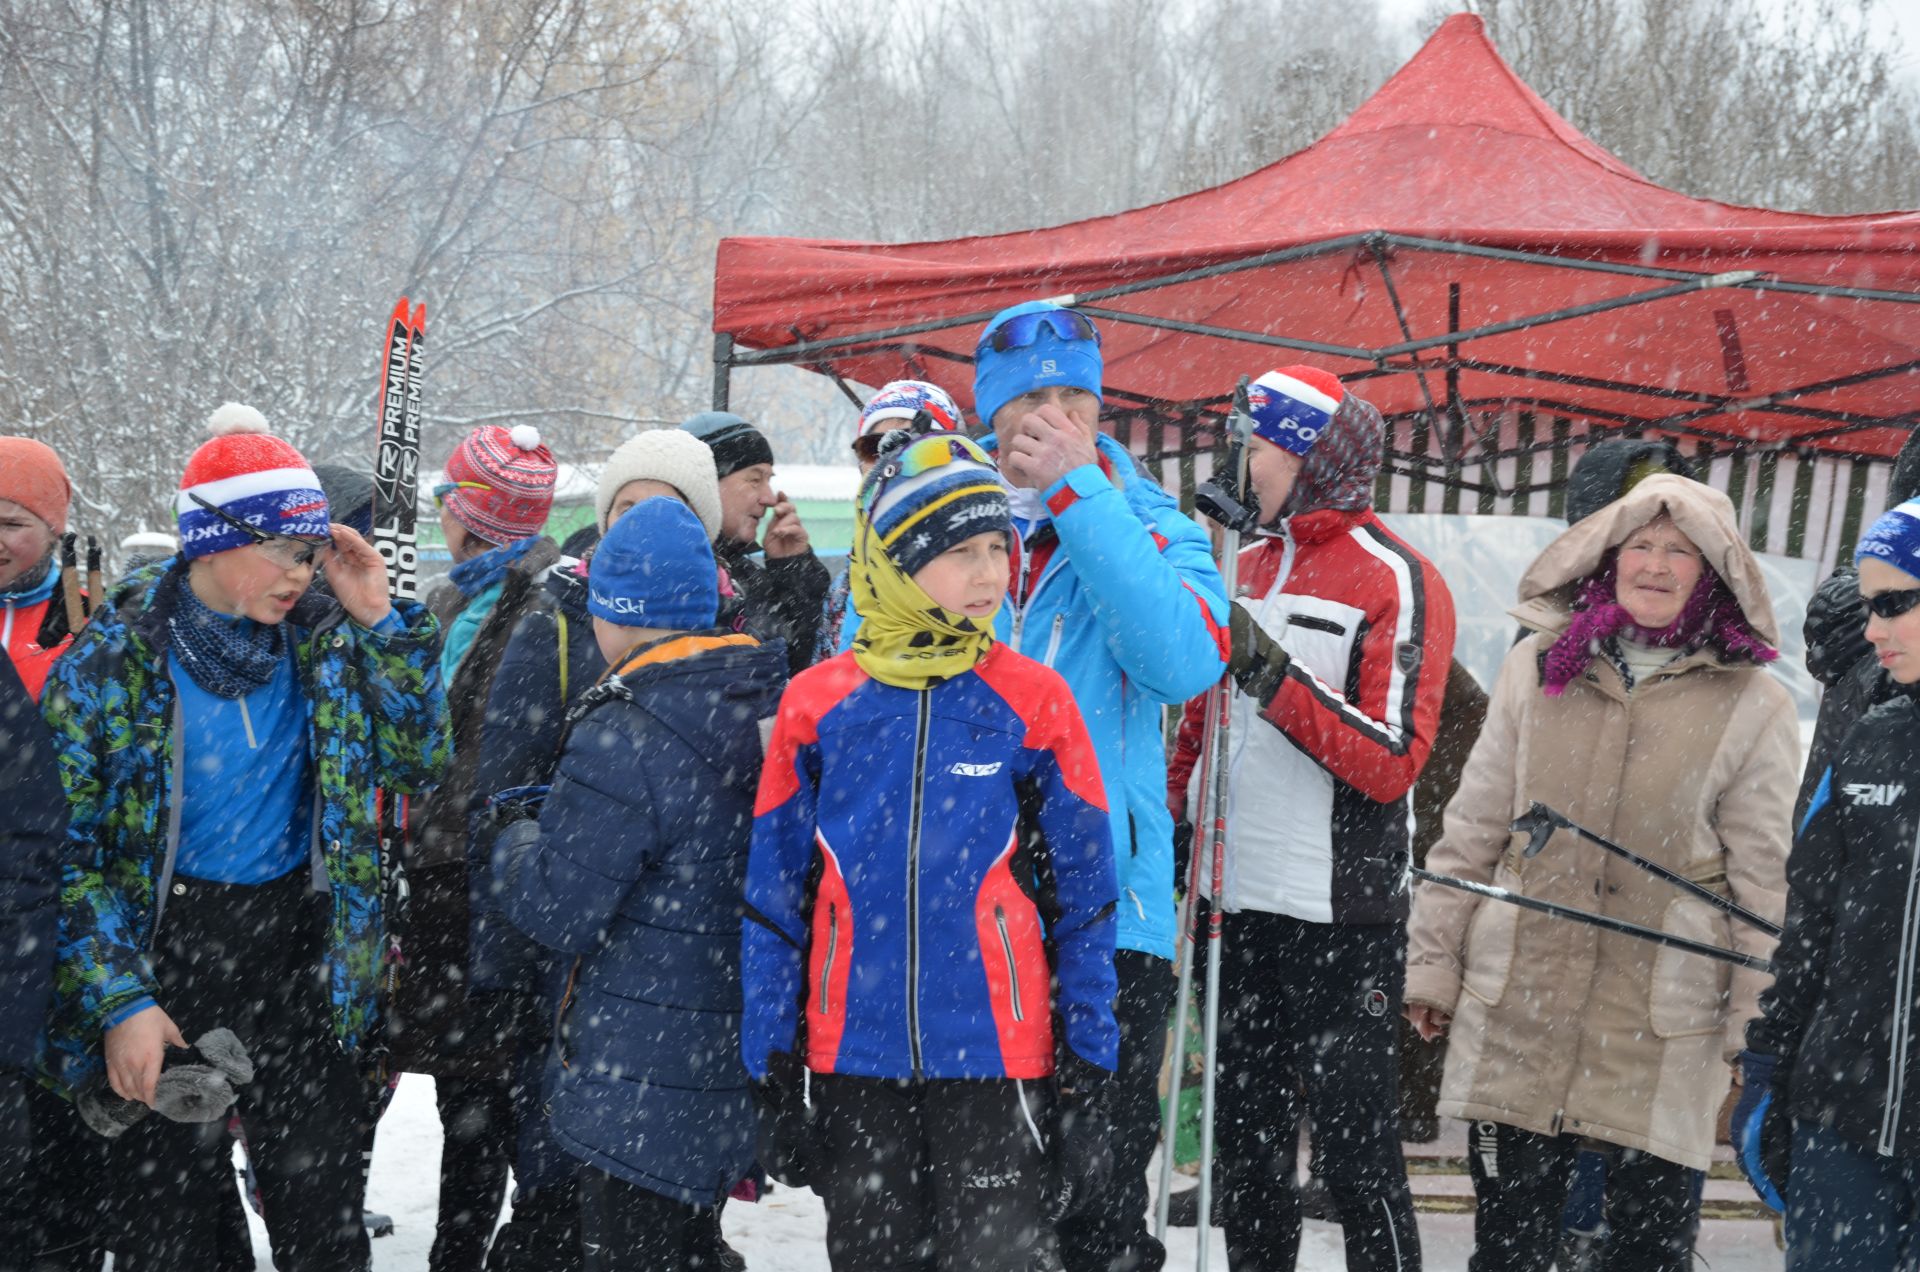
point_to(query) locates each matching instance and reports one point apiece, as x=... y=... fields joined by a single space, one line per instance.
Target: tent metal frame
x=1448 y=414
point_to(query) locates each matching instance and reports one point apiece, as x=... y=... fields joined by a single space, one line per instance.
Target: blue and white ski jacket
x=931 y=882
x=1131 y=611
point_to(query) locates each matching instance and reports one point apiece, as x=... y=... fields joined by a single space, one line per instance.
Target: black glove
x=788 y=1136
x=1836 y=627
x=1182 y=854
x=1082 y=1157
x=1258 y=663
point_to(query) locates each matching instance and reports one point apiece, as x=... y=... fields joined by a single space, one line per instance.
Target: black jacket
x=1840 y=658
x=520 y=746
x=33 y=824
x=432 y=1029
x=775 y=599
x=1843 y=1014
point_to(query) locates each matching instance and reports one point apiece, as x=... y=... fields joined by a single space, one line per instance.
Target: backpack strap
x=560 y=616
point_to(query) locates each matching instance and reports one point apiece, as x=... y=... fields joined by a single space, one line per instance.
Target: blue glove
x=1762 y=1131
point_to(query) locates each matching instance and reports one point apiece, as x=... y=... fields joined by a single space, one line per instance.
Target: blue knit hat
x=1894 y=539
x=655 y=568
x=1044 y=355
x=931 y=494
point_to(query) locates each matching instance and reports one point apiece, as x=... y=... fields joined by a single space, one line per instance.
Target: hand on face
x=358 y=576
x=785 y=536
x=1045 y=444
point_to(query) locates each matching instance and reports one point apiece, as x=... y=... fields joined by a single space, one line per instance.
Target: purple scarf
x=1711 y=616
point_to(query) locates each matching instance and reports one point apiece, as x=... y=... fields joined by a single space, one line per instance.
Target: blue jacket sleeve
x=406 y=701
x=1067 y=803
x=773 y=936
x=103 y=970
x=563 y=878
x=1154 y=588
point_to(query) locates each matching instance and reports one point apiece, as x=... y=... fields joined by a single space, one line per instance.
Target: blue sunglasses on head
x=1022 y=330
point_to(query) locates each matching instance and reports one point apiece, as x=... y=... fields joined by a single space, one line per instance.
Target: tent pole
x=722 y=369
x=1379 y=251
x=1229 y=333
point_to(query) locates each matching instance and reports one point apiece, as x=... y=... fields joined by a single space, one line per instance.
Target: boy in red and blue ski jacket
x=930 y=901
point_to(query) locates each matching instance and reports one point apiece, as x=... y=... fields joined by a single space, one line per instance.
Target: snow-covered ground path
x=786 y=1232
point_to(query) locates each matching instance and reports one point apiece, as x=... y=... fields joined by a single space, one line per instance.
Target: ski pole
x=1183 y=965
x=1226 y=503
x=1539 y=823
x=1602 y=921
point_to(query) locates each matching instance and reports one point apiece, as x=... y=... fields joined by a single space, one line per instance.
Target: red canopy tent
x=1503 y=289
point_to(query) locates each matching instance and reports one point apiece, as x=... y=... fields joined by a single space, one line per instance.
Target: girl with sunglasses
x=1827 y=1121
x=221 y=729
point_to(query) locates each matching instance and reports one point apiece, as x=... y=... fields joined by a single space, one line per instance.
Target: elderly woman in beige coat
x=1637 y=707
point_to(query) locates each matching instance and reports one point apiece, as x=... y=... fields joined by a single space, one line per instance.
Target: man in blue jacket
x=1117 y=591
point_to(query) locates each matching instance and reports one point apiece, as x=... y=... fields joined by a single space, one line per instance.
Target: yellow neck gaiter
x=905 y=638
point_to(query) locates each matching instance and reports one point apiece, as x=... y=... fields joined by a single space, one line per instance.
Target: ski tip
x=400 y=310
x=419 y=316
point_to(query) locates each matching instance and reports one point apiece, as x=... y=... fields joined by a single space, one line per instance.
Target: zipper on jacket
x=1013 y=973
x=1021 y=596
x=1902 y=1008
x=826 y=965
x=1053 y=641
x=920 y=730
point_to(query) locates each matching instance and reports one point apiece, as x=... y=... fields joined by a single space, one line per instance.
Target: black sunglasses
x=1893 y=604
x=282 y=549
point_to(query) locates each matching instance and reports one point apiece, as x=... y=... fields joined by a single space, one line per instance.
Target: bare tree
x=222 y=199
x=1790 y=106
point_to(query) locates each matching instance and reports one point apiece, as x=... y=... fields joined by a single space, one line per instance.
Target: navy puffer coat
x=636 y=866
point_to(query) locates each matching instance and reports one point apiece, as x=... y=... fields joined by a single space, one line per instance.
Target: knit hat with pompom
x=253 y=477
x=502 y=482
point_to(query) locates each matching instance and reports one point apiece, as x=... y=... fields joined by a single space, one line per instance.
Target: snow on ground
x=786 y=1232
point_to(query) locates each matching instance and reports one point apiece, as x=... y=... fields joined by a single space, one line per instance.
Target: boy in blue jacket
x=634 y=870
x=1115 y=589
x=930 y=902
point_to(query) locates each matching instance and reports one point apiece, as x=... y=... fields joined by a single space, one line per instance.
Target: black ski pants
x=626 y=1228
x=1112 y=1234
x=940 y=1176
x=249 y=958
x=51 y=1190
x=1521 y=1181
x=477 y=1136
x=1309 y=1022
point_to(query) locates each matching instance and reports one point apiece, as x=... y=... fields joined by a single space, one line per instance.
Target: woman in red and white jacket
x=1342 y=637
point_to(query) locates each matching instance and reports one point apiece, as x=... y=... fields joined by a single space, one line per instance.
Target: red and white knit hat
x=252 y=476
x=1293 y=406
x=502 y=483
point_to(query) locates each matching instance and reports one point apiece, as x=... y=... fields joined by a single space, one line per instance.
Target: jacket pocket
x=1489 y=955
x=1689 y=992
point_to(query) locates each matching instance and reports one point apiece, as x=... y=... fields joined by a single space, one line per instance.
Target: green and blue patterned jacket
x=378 y=720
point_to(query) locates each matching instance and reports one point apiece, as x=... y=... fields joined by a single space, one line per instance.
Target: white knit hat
x=680 y=459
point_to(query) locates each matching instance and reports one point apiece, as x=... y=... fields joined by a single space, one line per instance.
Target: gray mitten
x=196 y=1085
